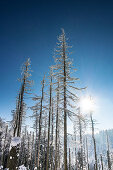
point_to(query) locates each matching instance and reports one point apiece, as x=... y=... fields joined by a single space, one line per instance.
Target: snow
x=22 y=167
x=1 y=167
x=15 y=141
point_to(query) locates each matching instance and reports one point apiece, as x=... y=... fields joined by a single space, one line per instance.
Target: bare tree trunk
x=28 y=151
x=56 y=138
x=65 y=107
x=36 y=141
x=17 y=116
x=101 y=162
x=63 y=67
x=21 y=108
x=32 y=154
x=75 y=150
x=58 y=153
x=40 y=122
x=108 y=153
x=52 y=128
x=44 y=156
x=94 y=142
x=69 y=160
x=13 y=163
x=87 y=154
x=3 y=156
x=81 y=143
x=49 y=123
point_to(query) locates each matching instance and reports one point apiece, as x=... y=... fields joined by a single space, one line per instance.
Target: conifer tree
x=57 y=126
x=87 y=153
x=94 y=142
x=19 y=114
x=81 y=140
x=38 y=108
x=69 y=160
x=101 y=158
x=25 y=88
x=4 y=157
x=108 y=153
x=49 y=120
x=64 y=68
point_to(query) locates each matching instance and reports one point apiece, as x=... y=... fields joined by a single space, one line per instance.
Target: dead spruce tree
x=64 y=68
x=23 y=148
x=20 y=112
x=87 y=153
x=40 y=120
x=94 y=142
x=52 y=135
x=32 y=153
x=69 y=160
x=80 y=128
x=101 y=158
x=57 y=124
x=25 y=88
x=1 y=138
x=75 y=147
x=35 y=127
x=108 y=152
x=49 y=120
x=79 y=140
x=4 y=156
x=38 y=108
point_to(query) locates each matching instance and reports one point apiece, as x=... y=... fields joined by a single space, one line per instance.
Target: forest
x=49 y=145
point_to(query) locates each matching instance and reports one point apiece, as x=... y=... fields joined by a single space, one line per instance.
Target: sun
x=86 y=104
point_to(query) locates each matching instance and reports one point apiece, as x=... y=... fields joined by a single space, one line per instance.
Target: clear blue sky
x=29 y=28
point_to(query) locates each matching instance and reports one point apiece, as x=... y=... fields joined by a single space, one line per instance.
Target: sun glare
x=86 y=104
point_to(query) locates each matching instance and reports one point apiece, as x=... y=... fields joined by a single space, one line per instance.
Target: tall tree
x=4 y=159
x=49 y=121
x=25 y=88
x=52 y=134
x=102 y=167
x=39 y=111
x=94 y=142
x=69 y=160
x=40 y=118
x=20 y=105
x=108 y=153
x=87 y=153
x=57 y=126
x=64 y=68
x=19 y=114
x=81 y=140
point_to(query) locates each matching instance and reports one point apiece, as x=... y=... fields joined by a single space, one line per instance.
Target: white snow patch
x=15 y=141
x=22 y=167
x=1 y=167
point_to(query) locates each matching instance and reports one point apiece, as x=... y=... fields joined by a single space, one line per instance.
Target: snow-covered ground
x=22 y=167
x=1 y=167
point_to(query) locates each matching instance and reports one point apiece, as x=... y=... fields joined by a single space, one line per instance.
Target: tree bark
x=94 y=142
x=56 y=138
x=49 y=123
x=65 y=107
x=40 y=122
